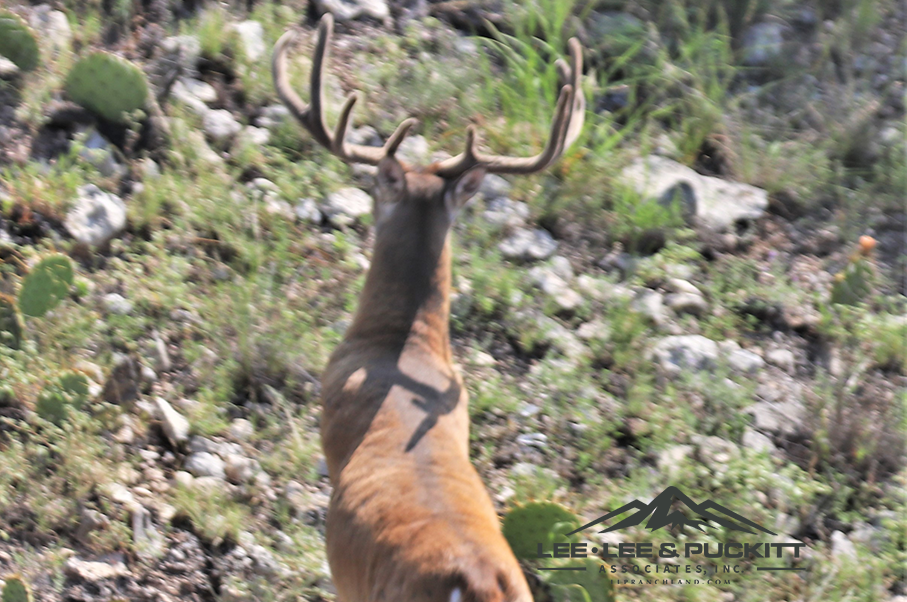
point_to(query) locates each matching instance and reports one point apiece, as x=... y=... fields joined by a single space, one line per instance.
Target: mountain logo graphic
x=659 y=509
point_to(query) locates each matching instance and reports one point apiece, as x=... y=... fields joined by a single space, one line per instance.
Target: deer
x=409 y=519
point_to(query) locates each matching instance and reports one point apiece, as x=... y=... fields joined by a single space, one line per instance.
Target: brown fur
x=409 y=519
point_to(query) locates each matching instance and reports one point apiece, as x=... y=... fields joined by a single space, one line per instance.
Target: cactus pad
x=76 y=384
x=10 y=323
x=588 y=585
x=17 y=42
x=68 y=392
x=16 y=590
x=525 y=527
x=45 y=285
x=853 y=284
x=107 y=85
x=52 y=405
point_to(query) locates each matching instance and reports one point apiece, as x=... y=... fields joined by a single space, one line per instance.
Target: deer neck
x=405 y=302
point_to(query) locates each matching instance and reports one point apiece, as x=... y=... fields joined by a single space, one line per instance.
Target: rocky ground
x=673 y=304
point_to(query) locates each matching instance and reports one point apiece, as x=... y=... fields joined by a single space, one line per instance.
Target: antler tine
x=339 y=145
x=312 y=116
x=302 y=112
x=390 y=147
x=357 y=153
x=565 y=128
x=578 y=113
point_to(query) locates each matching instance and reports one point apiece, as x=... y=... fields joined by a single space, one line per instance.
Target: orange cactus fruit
x=867 y=244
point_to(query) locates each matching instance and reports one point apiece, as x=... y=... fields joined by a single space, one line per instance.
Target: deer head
x=448 y=183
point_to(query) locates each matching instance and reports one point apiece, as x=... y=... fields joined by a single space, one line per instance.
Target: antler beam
x=312 y=116
x=568 y=120
x=565 y=127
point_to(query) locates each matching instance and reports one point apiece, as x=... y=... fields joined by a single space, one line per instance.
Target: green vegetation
x=15 y=589
x=527 y=526
x=854 y=284
x=45 y=285
x=67 y=394
x=10 y=323
x=107 y=85
x=17 y=42
x=544 y=524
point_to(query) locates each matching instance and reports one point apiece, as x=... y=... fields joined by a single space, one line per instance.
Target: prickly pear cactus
x=52 y=405
x=10 y=323
x=107 y=85
x=854 y=283
x=45 y=285
x=15 y=589
x=67 y=393
x=17 y=41
x=76 y=384
x=527 y=526
x=582 y=586
x=570 y=592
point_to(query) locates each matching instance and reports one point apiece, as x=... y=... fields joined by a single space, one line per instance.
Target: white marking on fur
x=355 y=380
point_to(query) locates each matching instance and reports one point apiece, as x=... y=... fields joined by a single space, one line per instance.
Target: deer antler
x=565 y=128
x=312 y=116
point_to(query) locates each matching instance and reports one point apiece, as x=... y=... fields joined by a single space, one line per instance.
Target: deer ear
x=391 y=181
x=463 y=189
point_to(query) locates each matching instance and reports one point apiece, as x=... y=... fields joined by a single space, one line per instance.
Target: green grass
x=50 y=471
x=50 y=190
x=213 y=514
